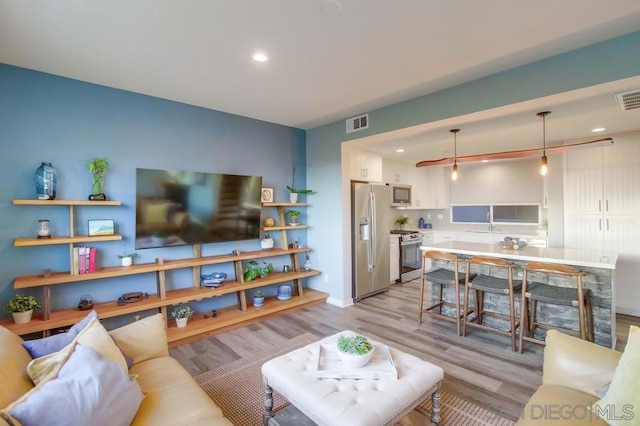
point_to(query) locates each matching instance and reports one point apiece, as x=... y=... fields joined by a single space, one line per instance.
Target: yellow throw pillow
x=620 y=405
x=144 y=339
x=94 y=335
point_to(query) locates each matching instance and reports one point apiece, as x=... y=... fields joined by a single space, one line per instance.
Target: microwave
x=400 y=195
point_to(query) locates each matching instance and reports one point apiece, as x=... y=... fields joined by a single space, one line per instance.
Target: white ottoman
x=351 y=402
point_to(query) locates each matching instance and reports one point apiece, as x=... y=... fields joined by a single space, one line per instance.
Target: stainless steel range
x=410 y=254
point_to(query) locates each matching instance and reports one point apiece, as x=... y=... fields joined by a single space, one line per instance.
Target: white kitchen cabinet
x=418 y=182
x=442 y=236
x=437 y=188
x=394 y=258
x=366 y=166
x=602 y=210
x=395 y=172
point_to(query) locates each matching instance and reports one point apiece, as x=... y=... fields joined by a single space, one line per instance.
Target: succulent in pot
x=355 y=351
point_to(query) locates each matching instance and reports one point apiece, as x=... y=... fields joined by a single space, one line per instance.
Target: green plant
x=293 y=213
x=259 y=294
x=299 y=191
x=131 y=255
x=22 y=303
x=402 y=220
x=254 y=271
x=98 y=167
x=182 y=310
x=354 y=345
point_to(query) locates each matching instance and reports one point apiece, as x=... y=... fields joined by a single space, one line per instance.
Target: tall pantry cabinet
x=602 y=209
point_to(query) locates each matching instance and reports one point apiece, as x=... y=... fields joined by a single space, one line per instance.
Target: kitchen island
x=599 y=278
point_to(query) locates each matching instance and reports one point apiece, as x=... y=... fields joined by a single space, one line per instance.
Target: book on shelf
x=84 y=260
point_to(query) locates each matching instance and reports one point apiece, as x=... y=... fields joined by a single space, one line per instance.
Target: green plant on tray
x=354 y=345
x=254 y=271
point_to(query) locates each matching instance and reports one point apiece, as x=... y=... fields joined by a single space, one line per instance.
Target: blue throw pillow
x=90 y=389
x=51 y=344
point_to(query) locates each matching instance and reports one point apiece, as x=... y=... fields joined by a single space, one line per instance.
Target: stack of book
x=84 y=260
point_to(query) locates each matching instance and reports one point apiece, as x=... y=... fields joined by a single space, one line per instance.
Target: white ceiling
x=325 y=65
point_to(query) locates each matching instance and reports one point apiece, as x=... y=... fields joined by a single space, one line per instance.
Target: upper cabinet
x=428 y=188
x=395 y=172
x=365 y=166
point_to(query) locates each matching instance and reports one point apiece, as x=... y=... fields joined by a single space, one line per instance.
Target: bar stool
x=566 y=296
x=482 y=284
x=442 y=277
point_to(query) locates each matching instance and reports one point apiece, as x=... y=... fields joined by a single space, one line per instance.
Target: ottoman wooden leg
x=435 y=407
x=268 y=402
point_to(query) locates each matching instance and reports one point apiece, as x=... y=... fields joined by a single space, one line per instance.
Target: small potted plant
x=402 y=221
x=181 y=312
x=22 y=307
x=293 y=193
x=98 y=167
x=127 y=259
x=355 y=351
x=267 y=242
x=254 y=271
x=258 y=299
x=294 y=216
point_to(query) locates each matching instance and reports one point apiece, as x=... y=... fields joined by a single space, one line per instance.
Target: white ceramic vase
x=127 y=261
x=293 y=197
x=182 y=322
x=266 y=243
x=22 y=317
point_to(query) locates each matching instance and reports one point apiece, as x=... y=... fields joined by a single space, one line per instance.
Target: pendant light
x=454 y=170
x=543 y=162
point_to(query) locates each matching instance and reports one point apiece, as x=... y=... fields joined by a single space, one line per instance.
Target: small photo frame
x=101 y=227
x=267 y=195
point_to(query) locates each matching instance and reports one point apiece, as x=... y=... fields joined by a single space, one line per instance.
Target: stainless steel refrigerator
x=370 y=214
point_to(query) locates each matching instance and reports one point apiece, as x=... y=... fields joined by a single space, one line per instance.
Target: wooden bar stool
x=578 y=297
x=483 y=283
x=442 y=277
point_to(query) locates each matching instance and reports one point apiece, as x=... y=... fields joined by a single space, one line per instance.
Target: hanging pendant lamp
x=543 y=161
x=454 y=170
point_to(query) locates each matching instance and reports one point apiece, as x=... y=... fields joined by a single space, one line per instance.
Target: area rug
x=237 y=389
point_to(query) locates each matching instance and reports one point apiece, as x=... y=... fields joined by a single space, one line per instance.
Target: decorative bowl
x=356 y=361
x=213 y=280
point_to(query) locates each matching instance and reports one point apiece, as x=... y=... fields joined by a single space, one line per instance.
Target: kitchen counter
x=599 y=278
x=592 y=259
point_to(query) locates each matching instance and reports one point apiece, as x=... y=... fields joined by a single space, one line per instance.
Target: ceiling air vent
x=628 y=101
x=358 y=123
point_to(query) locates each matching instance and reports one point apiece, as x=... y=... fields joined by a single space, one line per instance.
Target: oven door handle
x=410 y=243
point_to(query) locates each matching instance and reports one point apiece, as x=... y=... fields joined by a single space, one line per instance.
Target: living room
x=68 y=122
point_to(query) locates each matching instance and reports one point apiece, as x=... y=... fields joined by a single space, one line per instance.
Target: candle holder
x=43 y=229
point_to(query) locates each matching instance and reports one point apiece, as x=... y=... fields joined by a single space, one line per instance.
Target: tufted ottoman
x=348 y=401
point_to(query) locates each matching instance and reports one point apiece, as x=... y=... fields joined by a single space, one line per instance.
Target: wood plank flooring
x=480 y=367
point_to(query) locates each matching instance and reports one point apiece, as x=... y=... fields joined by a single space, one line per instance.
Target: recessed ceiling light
x=598 y=129
x=400 y=150
x=260 y=57
x=484 y=161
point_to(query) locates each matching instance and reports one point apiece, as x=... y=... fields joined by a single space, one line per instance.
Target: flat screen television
x=181 y=207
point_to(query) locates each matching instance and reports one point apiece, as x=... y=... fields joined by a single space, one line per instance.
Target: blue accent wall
x=68 y=122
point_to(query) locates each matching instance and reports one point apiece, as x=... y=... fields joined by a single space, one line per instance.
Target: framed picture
x=101 y=227
x=267 y=195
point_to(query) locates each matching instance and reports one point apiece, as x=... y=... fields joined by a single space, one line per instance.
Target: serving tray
x=330 y=366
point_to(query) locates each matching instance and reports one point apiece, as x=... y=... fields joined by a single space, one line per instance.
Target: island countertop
x=586 y=258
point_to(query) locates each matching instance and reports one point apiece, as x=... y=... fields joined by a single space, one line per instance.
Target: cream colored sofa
x=573 y=372
x=172 y=397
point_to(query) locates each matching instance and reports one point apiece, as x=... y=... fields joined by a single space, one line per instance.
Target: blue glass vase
x=46 y=182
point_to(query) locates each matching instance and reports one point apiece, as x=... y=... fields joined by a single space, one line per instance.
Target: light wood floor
x=480 y=367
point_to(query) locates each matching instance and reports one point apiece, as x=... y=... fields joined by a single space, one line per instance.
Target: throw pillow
x=144 y=339
x=619 y=406
x=89 y=389
x=94 y=336
x=51 y=344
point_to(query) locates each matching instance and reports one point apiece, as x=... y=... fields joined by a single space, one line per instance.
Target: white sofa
x=170 y=395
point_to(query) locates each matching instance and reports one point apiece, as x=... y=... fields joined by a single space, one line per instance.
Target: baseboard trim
x=634 y=312
x=341 y=303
